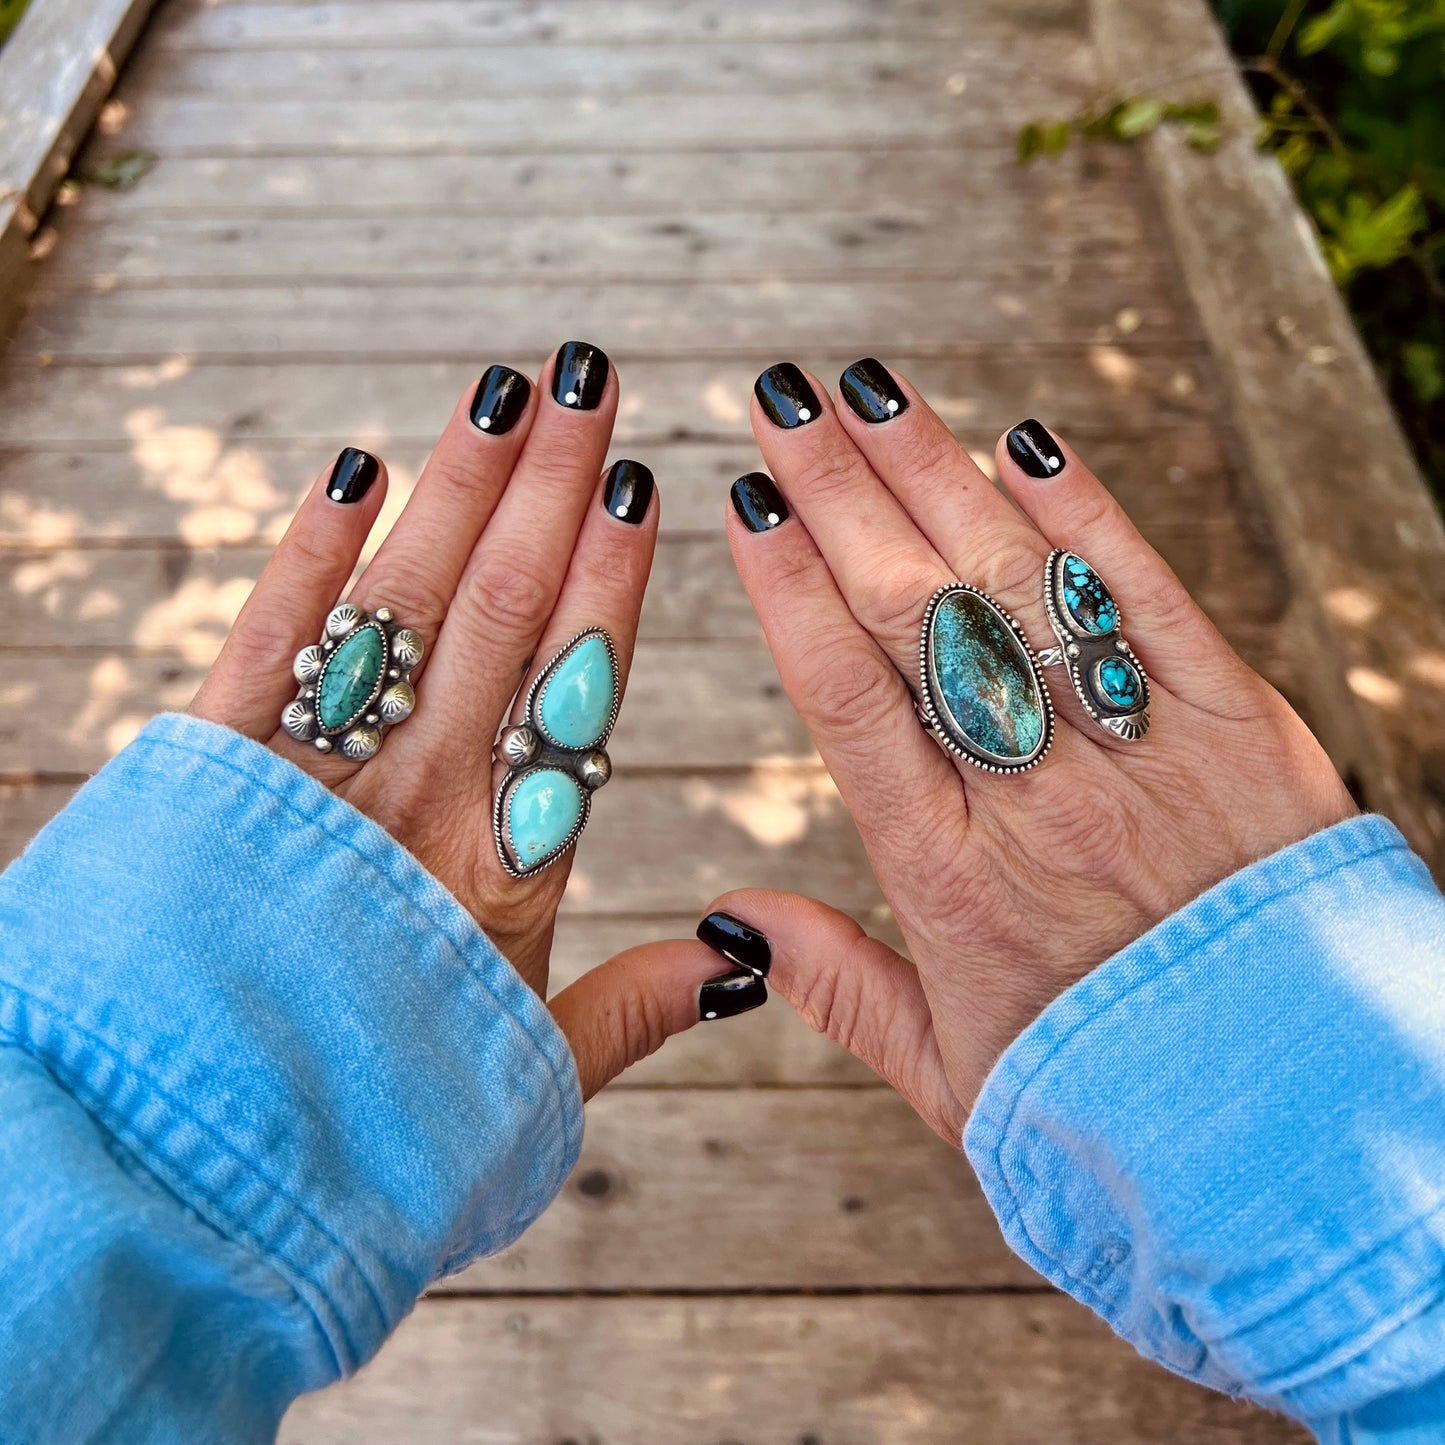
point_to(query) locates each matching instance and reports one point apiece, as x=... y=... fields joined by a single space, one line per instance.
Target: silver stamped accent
x=406 y=648
x=519 y=746
x=342 y=619
x=298 y=720
x=396 y=702
x=308 y=664
x=360 y=743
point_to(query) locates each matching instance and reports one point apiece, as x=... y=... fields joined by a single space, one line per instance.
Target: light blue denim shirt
x=262 y=1080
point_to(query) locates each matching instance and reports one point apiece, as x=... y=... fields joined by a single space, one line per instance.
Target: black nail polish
x=1030 y=445
x=730 y=994
x=352 y=476
x=737 y=943
x=786 y=396
x=627 y=493
x=580 y=375
x=758 y=502
x=870 y=390
x=500 y=400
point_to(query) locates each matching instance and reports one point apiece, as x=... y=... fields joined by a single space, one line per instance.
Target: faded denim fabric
x=1229 y=1140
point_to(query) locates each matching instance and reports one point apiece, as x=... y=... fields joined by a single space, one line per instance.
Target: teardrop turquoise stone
x=543 y=810
x=576 y=701
x=1118 y=681
x=1089 y=601
x=985 y=685
x=351 y=677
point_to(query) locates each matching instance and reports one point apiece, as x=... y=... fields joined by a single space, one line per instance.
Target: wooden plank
x=1111 y=387
x=1099 y=188
x=55 y=70
x=667 y=843
x=981 y=70
x=408 y=322
x=855 y=1188
x=908 y=1371
x=179 y=250
x=453 y=23
x=1358 y=532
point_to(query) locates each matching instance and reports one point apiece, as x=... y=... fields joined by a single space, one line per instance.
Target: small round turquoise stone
x=1118 y=682
x=1089 y=601
x=576 y=701
x=350 y=679
x=986 y=688
x=542 y=812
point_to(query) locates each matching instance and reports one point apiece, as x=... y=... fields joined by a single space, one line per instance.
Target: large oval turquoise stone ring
x=982 y=693
x=556 y=755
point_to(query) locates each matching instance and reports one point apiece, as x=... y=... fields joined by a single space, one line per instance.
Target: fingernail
x=352 y=476
x=580 y=375
x=870 y=390
x=500 y=400
x=737 y=943
x=786 y=396
x=758 y=502
x=627 y=493
x=1030 y=445
x=730 y=994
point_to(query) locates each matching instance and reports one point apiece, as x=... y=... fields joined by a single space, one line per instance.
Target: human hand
x=507 y=549
x=1007 y=889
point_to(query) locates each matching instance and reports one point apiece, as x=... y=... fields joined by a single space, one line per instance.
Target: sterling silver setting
x=390 y=701
x=1083 y=653
x=527 y=747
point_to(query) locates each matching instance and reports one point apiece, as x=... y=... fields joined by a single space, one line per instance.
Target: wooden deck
x=357 y=206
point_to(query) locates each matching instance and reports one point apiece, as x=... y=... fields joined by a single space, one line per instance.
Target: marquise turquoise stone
x=544 y=808
x=986 y=688
x=1089 y=601
x=576 y=701
x=350 y=678
x=1118 y=682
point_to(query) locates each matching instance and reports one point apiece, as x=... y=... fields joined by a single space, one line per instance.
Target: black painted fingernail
x=870 y=390
x=627 y=493
x=500 y=400
x=1030 y=445
x=580 y=376
x=758 y=502
x=786 y=396
x=729 y=994
x=352 y=476
x=737 y=943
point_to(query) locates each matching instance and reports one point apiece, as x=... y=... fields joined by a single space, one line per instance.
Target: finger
x=850 y=696
x=515 y=572
x=966 y=519
x=853 y=988
x=625 y=1009
x=885 y=568
x=1178 y=644
x=251 y=681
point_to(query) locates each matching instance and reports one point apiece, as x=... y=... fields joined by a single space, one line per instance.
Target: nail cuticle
x=500 y=400
x=786 y=397
x=730 y=994
x=757 y=500
x=352 y=476
x=627 y=492
x=579 y=378
x=1034 y=451
x=736 y=942
x=871 y=392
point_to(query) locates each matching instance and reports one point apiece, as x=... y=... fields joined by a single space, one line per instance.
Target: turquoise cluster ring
x=355 y=683
x=1107 y=678
x=556 y=757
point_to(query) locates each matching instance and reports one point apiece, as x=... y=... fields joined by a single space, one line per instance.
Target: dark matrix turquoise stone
x=986 y=688
x=1089 y=601
x=350 y=679
x=1118 y=682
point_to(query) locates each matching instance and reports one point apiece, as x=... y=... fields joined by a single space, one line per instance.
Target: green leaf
x=1138 y=117
x=1380 y=60
x=1424 y=369
x=1057 y=136
x=1296 y=153
x=1365 y=237
x=120 y=173
x=1031 y=142
x=1315 y=34
x=1194 y=112
x=1204 y=138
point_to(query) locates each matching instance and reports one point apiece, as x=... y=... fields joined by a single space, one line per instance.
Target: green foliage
x=10 y=13
x=1352 y=95
x=120 y=173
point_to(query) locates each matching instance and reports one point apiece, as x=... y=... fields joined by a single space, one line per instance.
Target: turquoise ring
x=981 y=691
x=355 y=682
x=1108 y=679
x=556 y=756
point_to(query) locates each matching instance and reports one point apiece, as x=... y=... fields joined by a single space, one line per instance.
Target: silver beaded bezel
x=937 y=719
x=1082 y=652
x=549 y=754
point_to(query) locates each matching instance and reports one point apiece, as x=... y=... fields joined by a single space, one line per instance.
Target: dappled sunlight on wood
x=777 y=803
x=1374 y=687
x=1353 y=606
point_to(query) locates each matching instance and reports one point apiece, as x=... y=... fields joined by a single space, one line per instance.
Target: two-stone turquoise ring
x=556 y=756
x=354 y=682
x=982 y=692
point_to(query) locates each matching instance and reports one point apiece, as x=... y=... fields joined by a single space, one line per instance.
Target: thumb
x=627 y=1008
x=853 y=988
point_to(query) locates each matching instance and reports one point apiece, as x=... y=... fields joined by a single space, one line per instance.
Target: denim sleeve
x=262 y=1080
x=1229 y=1140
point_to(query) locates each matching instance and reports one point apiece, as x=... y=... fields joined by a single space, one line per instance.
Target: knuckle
x=510 y=596
x=1094 y=512
x=1016 y=568
x=828 y=472
x=417 y=602
x=462 y=469
x=850 y=690
x=898 y=591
